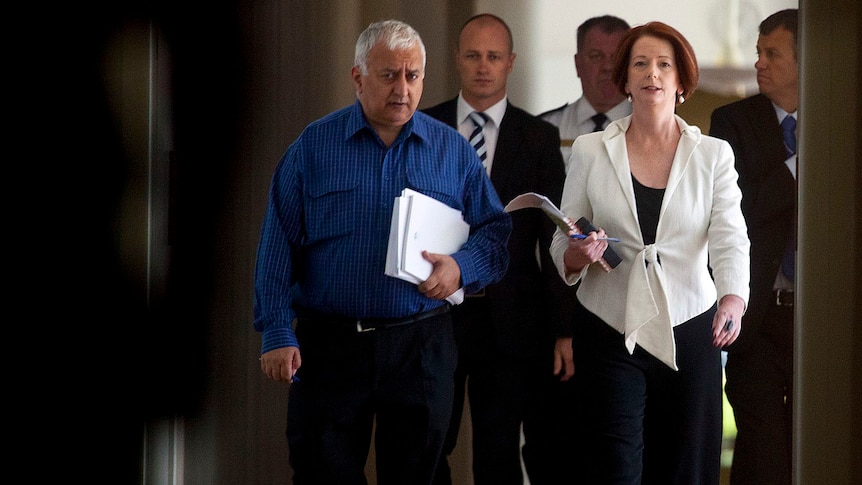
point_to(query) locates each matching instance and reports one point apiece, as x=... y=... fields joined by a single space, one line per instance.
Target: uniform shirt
x=325 y=233
x=574 y=119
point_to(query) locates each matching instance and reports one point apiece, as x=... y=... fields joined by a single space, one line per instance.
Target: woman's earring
x=629 y=97
x=681 y=99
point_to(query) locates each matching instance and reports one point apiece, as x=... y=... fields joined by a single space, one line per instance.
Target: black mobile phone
x=610 y=257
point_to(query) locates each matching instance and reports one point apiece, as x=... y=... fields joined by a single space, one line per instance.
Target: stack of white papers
x=422 y=223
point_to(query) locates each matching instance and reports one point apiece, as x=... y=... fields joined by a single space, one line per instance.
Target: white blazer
x=700 y=223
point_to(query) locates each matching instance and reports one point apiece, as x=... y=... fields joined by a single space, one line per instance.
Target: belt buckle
x=361 y=329
x=781 y=294
x=478 y=294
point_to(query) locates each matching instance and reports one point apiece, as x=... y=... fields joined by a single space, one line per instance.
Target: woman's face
x=652 y=77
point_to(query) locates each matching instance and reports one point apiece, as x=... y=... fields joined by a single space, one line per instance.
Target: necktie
x=477 y=139
x=788 y=126
x=599 y=119
x=788 y=262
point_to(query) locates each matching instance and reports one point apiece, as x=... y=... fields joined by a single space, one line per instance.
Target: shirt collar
x=495 y=112
x=781 y=114
x=584 y=111
x=358 y=122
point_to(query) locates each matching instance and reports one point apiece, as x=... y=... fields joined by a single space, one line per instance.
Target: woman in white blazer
x=648 y=339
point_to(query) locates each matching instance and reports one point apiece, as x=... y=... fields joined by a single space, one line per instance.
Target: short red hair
x=684 y=57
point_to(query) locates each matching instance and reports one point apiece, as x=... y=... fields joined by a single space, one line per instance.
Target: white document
x=396 y=241
x=422 y=223
x=609 y=261
x=538 y=201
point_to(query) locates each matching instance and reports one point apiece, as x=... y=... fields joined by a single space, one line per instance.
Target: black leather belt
x=369 y=324
x=784 y=297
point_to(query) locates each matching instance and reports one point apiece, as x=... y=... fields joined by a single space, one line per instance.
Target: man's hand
x=564 y=364
x=445 y=278
x=281 y=364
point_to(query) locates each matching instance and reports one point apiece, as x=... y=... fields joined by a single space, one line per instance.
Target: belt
x=369 y=324
x=784 y=297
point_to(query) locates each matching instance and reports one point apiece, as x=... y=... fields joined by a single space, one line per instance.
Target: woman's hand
x=582 y=252
x=727 y=322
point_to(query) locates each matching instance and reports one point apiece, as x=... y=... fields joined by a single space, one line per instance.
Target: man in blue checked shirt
x=367 y=347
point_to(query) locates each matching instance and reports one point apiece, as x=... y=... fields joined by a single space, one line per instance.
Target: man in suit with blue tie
x=762 y=131
x=506 y=335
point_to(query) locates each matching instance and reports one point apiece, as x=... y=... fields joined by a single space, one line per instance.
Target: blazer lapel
x=688 y=141
x=614 y=138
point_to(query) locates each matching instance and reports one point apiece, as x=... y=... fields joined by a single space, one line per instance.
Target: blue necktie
x=788 y=262
x=477 y=139
x=788 y=126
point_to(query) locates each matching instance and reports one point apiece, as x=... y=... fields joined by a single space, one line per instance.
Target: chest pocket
x=332 y=205
x=446 y=189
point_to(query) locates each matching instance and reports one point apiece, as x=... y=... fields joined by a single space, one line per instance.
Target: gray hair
x=395 y=34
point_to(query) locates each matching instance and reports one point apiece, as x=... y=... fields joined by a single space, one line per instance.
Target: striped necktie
x=477 y=139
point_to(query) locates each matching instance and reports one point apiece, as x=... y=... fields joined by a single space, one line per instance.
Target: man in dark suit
x=761 y=130
x=506 y=335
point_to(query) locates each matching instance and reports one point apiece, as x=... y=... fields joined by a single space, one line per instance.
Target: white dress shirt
x=491 y=129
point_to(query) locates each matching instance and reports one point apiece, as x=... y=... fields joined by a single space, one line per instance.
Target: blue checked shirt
x=325 y=233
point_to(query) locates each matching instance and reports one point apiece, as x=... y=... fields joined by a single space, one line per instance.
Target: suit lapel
x=503 y=167
x=765 y=131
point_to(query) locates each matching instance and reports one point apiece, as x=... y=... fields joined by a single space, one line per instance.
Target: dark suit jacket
x=530 y=302
x=768 y=197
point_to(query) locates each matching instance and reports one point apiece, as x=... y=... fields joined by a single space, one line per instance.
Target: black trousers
x=399 y=378
x=760 y=390
x=507 y=392
x=550 y=430
x=641 y=421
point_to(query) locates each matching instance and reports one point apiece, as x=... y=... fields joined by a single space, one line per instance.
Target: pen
x=728 y=326
x=582 y=236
